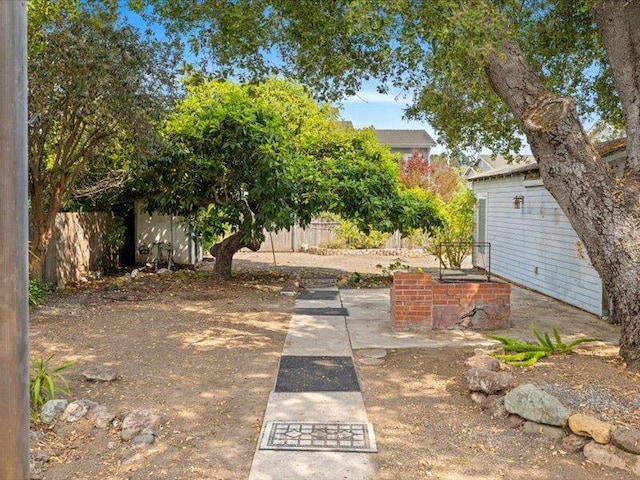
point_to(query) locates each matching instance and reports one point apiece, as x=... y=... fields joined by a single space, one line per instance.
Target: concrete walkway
x=314 y=335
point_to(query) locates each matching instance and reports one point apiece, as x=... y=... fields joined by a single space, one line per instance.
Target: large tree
x=265 y=156
x=481 y=72
x=96 y=92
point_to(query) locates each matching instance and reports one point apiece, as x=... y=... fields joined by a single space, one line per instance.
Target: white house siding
x=535 y=245
x=151 y=229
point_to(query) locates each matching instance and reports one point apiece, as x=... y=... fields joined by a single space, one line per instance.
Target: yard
x=204 y=355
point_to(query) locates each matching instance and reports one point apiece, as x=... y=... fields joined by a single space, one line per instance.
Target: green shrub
x=457 y=230
x=38 y=290
x=349 y=236
x=46 y=382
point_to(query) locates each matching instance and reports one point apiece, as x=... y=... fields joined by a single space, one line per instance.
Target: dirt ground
x=204 y=354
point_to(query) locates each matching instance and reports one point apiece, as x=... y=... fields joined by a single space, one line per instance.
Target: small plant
x=525 y=354
x=45 y=382
x=38 y=291
x=397 y=266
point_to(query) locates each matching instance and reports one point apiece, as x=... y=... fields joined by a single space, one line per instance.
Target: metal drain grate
x=335 y=437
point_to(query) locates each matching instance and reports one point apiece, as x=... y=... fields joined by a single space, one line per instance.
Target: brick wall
x=411 y=300
x=419 y=302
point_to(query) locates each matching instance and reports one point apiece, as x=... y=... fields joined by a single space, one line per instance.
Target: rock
x=100 y=374
x=372 y=353
x=77 y=410
x=574 y=443
x=146 y=437
x=135 y=422
x=52 y=410
x=478 y=397
x=484 y=362
x=627 y=439
x=371 y=361
x=588 y=426
x=130 y=461
x=611 y=456
x=163 y=271
x=533 y=404
x=40 y=455
x=554 y=433
x=487 y=381
x=101 y=417
x=514 y=421
x=134 y=273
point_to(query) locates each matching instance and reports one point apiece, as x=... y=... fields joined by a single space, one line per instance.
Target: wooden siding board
x=537 y=235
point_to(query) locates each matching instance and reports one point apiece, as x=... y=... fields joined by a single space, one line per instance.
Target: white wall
x=535 y=245
x=167 y=229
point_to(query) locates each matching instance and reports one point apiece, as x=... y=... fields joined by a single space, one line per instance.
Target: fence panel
x=78 y=246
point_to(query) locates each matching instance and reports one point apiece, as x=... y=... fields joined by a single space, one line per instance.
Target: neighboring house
x=488 y=163
x=407 y=142
x=532 y=241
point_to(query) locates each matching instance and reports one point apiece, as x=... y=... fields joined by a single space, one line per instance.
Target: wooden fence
x=78 y=246
x=318 y=234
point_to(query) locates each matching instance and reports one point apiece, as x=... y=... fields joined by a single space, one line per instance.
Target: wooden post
x=14 y=308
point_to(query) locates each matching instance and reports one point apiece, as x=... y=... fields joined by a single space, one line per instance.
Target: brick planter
x=418 y=302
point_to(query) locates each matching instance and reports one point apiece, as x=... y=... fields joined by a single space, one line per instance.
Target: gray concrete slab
x=316 y=407
x=369 y=322
x=325 y=336
x=288 y=465
x=315 y=335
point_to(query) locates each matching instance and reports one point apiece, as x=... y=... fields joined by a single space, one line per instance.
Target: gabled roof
x=604 y=149
x=493 y=162
x=405 y=138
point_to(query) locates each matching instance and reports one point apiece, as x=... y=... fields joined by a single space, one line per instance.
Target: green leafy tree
x=450 y=243
x=481 y=72
x=96 y=92
x=265 y=156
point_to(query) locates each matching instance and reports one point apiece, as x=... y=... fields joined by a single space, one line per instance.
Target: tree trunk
x=603 y=210
x=42 y=221
x=226 y=249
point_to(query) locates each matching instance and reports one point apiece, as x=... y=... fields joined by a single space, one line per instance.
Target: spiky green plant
x=525 y=354
x=46 y=382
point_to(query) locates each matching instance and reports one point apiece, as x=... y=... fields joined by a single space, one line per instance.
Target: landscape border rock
x=600 y=442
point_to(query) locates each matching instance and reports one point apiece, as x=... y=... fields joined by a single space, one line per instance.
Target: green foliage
x=114 y=236
x=97 y=89
x=435 y=50
x=265 y=156
x=38 y=290
x=349 y=236
x=457 y=230
x=525 y=354
x=46 y=382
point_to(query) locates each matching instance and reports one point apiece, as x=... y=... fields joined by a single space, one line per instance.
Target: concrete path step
x=316 y=416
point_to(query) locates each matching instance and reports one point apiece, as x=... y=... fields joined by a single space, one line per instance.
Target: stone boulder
x=52 y=410
x=533 y=404
x=77 y=410
x=588 y=426
x=100 y=374
x=481 y=380
x=483 y=362
x=138 y=421
x=627 y=439
x=611 y=456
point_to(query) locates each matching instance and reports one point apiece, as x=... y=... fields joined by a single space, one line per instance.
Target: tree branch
x=618 y=22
